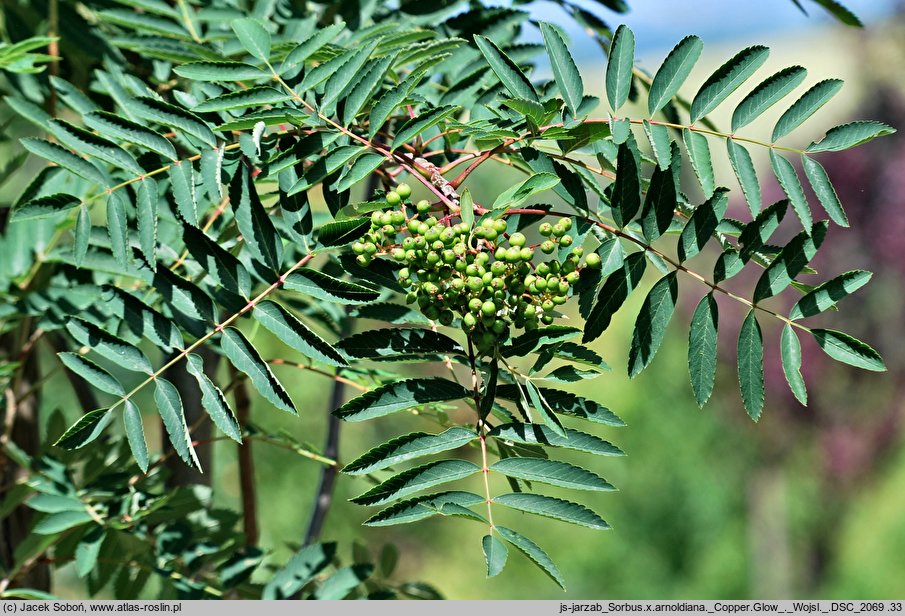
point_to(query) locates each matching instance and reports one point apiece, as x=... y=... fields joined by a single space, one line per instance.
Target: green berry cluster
x=484 y=277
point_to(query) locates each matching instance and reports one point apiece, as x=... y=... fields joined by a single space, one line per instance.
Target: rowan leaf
x=650 y=327
x=399 y=396
x=246 y=358
x=621 y=61
x=550 y=507
x=751 y=366
x=791 y=363
x=702 y=348
x=673 y=72
x=726 y=80
x=848 y=350
x=417 y=479
x=408 y=447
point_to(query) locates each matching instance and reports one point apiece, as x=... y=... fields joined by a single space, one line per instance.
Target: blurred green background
x=809 y=502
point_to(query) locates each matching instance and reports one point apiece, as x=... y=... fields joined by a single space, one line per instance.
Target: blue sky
x=659 y=24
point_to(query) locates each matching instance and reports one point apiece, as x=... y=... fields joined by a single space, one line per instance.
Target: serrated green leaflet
x=823 y=188
x=555 y=508
x=174 y=117
x=409 y=447
x=92 y=373
x=495 y=555
x=791 y=185
x=517 y=195
x=790 y=262
x=417 y=479
x=366 y=87
x=564 y=70
x=751 y=366
x=619 y=66
x=744 y=170
x=532 y=340
x=848 y=350
x=650 y=327
x=533 y=552
x=213 y=400
x=312 y=44
x=253 y=37
x=551 y=472
x=806 y=106
x=702 y=348
x=612 y=295
x=107 y=345
x=768 y=93
x=543 y=409
x=827 y=294
x=423 y=507
x=703 y=222
x=59 y=155
x=246 y=358
x=169 y=405
x=135 y=434
x=660 y=143
x=626 y=196
x=850 y=135
x=758 y=232
x=699 y=153
x=512 y=78
x=118 y=229
x=55 y=503
x=220 y=71
x=242 y=99
x=146 y=203
x=342 y=232
x=87 y=551
x=727 y=79
x=567 y=403
x=88 y=427
x=791 y=363
x=673 y=72
x=219 y=264
x=339 y=83
x=88 y=143
x=42 y=207
x=295 y=334
x=363 y=167
x=398 y=343
x=399 y=396
x=535 y=434
x=257 y=229
x=421 y=123
x=323 y=286
x=659 y=204
x=62 y=521
x=117 y=127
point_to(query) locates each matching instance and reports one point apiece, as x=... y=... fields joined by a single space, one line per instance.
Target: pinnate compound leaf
x=86 y=429
x=791 y=363
x=751 y=366
x=613 y=294
x=551 y=472
x=426 y=506
x=169 y=405
x=550 y=507
x=495 y=555
x=536 y=434
x=850 y=135
x=806 y=106
x=727 y=79
x=703 y=222
x=650 y=327
x=92 y=373
x=213 y=400
x=417 y=479
x=823 y=188
x=394 y=344
x=848 y=350
x=673 y=72
x=135 y=434
x=768 y=93
x=399 y=396
x=511 y=76
x=534 y=553
x=619 y=67
x=790 y=262
x=702 y=348
x=323 y=286
x=408 y=447
x=42 y=207
x=295 y=334
x=109 y=346
x=564 y=70
x=246 y=359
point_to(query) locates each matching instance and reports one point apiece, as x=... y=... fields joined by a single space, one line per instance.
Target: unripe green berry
x=547 y=319
x=398 y=217
x=545 y=229
x=566 y=240
x=592 y=260
x=559 y=300
x=363 y=260
x=475 y=284
x=566 y=223
x=474 y=304
x=370 y=248
x=446 y=317
x=358 y=248
x=543 y=269
x=548 y=305
x=513 y=255
x=572 y=277
x=423 y=206
x=547 y=247
x=393 y=198
x=499 y=226
x=541 y=284
x=517 y=239
x=558 y=230
x=488 y=308
x=399 y=254
x=404 y=190
x=498 y=268
x=526 y=253
x=469 y=321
